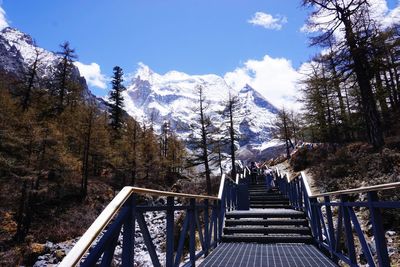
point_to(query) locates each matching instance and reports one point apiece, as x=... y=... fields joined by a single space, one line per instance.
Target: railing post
x=306 y=204
x=206 y=230
x=215 y=221
x=128 y=235
x=291 y=195
x=228 y=195
x=379 y=233
x=296 y=190
x=348 y=232
x=332 y=241
x=170 y=232
x=301 y=189
x=313 y=218
x=222 y=207
x=192 y=232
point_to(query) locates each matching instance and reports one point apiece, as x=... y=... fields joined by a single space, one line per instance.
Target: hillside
x=61 y=161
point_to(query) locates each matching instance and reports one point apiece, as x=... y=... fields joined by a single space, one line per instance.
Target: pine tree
x=117 y=100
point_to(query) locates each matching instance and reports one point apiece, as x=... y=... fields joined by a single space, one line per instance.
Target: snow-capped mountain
x=173 y=97
x=18 y=52
x=154 y=97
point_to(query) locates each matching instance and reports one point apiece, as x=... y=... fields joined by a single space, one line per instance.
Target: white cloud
x=3 y=19
x=274 y=78
x=92 y=74
x=391 y=17
x=268 y=21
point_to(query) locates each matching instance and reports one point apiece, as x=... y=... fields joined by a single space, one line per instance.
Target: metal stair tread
x=269 y=221
x=267 y=238
x=276 y=229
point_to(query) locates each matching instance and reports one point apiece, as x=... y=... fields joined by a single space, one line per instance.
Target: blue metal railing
x=203 y=215
x=323 y=210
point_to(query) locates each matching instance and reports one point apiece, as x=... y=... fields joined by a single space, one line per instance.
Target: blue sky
x=196 y=37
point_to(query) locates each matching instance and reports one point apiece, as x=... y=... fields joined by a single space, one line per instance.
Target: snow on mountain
x=173 y=97
x=18 y=51
x=156 y=97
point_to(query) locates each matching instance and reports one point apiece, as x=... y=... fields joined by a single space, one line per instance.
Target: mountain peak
x=144 y=72
x=14 y=35
x=252 y=95
x=247 y=88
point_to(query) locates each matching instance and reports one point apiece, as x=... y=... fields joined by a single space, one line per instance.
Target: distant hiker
x=253 y=172
x=269 y=180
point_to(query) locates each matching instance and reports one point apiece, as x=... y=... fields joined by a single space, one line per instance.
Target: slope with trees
x=62 y=156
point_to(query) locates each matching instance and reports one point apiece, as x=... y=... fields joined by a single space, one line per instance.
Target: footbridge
x=247 y=224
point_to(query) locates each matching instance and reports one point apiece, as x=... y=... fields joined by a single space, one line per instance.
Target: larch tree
x=283 y=129
x=230 y=112
x=201 y=137
x=30 y=80
x=348 y=15
x=63 y=75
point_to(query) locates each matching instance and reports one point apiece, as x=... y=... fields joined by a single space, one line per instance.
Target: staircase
x=270 y=219
x=260 y=198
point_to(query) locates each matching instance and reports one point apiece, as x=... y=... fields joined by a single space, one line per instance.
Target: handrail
x=248 y=169
x=101 y=222
x=84 y=243
x=321 y=213
x=363 y=189
x=306 y=184
x=221 y=186
x=237 y=178
x=169 y=194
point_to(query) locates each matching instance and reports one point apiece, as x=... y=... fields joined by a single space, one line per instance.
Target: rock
x=40 y=263
x=49 y=246
x=390 y=233
x=59 y=254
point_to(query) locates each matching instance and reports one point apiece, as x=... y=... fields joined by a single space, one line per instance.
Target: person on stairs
x=253 y=172
x=269 y=180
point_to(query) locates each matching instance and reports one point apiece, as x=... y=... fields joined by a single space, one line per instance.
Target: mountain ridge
x=172 y=97
x=18 y=51
x=157 y=97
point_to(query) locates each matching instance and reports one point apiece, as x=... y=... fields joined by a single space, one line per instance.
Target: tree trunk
x=86 y=149
x=370 y=113
x=232 y=140
x=204 y=144
x=285 y=126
